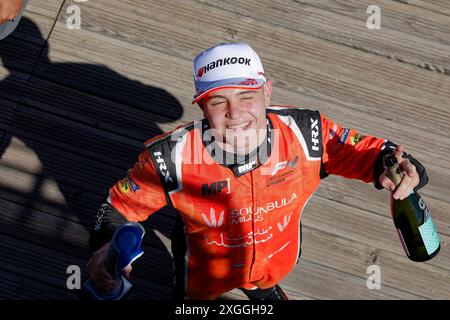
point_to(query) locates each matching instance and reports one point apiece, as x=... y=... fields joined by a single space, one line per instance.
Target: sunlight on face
x=238 y=117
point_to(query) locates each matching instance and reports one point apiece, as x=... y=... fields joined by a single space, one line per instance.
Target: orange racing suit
x=241 y=222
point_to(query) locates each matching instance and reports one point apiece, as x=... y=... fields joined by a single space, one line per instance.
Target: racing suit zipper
x=254 y=208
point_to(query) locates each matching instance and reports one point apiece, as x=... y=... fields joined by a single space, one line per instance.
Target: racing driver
x=239 y=180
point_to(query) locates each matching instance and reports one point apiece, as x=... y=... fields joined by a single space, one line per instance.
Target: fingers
x=97 y=271
x=99 y=275
x=127 y=271
x=386 y=182
x=410 y=177
x=105 y=279
x=404 y=188
x=409 y=181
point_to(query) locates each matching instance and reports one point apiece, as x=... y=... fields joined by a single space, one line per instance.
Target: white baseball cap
x=227 y=65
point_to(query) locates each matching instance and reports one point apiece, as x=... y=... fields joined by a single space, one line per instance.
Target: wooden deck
x=76 y=106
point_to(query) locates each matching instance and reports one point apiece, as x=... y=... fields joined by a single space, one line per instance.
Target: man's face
x=238 y=116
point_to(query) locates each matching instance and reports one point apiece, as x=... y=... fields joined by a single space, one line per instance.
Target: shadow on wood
x=86 y=124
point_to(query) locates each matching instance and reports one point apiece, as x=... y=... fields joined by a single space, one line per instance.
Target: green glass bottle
x=412 y=219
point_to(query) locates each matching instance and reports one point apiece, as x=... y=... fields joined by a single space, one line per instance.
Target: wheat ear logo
x=282 y=226
x=212 y=220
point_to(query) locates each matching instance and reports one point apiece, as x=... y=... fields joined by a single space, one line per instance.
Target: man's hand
x=9 y=9
x=410 y=176
x=97 y=271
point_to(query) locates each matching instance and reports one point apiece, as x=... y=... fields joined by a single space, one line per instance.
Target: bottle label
x=429 y=235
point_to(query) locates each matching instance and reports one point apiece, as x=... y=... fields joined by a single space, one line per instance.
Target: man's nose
x=234 y=110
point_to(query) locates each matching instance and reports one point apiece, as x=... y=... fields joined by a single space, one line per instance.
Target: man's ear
x=267 y=88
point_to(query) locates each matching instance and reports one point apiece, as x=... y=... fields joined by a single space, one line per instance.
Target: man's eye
x=247 y=98
x=216 y=103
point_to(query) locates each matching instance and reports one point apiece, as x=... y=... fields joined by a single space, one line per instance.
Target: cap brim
x=206 y=88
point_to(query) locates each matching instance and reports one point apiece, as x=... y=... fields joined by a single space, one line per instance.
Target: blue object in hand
x=125 y=249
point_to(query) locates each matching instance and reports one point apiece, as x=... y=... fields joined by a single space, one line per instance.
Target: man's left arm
x=350 y=154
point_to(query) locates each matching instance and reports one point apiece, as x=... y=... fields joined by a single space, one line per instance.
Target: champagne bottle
x=412 y=219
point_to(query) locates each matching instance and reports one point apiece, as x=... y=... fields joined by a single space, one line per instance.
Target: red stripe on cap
x=196 y=99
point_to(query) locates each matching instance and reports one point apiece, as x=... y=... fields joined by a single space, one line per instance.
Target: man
x=239 y=180
x=11 y=12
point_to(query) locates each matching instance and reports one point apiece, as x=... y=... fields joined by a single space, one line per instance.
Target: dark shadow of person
x=87 y=124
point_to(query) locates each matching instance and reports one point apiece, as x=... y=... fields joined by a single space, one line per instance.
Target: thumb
x=386 y=182
x=127 y=271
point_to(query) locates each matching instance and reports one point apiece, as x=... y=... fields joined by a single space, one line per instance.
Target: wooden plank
x=38 y=268
x=97 y=144
x=87 y=175
x=130 y=84
x=322 y=282
x=353 y=258
x=60 y=199
x=351 y=223
x=47 y=186
x=79 y=211
x=350 y=29
x=355 y=78
x=424 y=144
x=16 y=56
x=63 y=233
x=12 y=84
x=20 y=287
x=41 y=15
x=7 y=108
x=2 y=133
x=99 y=113
x=396 y=15
x=366 y=197
x=292 y=17
x=20 y=221
x=84 y=210
x=437 y=6
x=33 y=172
x=20 y=50
x=37 y=262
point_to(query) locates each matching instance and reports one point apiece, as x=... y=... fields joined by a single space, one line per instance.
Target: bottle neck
x=395 y=174
x=393 y=169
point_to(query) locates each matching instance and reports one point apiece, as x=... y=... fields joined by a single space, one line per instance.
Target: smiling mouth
x=241 y=126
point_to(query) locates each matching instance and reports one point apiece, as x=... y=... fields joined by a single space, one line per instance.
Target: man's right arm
x=131 y=199
x=106 y=222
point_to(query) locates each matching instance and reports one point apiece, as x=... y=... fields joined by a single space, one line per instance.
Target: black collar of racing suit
x=239 y=164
